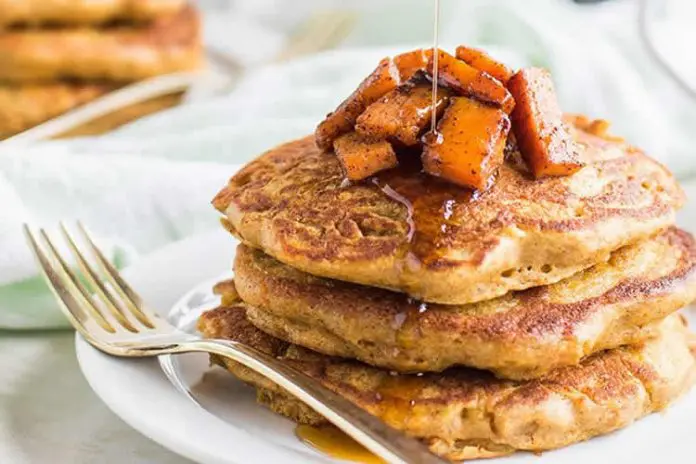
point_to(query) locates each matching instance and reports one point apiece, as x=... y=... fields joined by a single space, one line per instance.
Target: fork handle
x=386 y=442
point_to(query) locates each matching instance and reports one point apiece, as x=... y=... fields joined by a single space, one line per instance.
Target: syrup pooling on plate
x=395 y=396
x=336 y=444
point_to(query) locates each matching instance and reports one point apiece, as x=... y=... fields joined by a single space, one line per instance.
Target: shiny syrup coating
x=429 y=202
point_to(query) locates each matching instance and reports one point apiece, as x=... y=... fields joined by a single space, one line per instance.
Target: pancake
x=25 y=106
x=120 y=53
x=466 y=414
x=409 y=232
x=84 y=12
x=520 y=335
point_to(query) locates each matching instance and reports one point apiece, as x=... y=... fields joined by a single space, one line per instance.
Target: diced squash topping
x=410 y=63
x=472 y=138
x=483 y=62
x=479 y=100
x=382 y=80
x=469 y=81
x=537 y=121
x=402 y=114
x=361 y=157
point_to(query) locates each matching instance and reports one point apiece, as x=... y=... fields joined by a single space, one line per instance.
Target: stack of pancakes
x=532 y=316
x=56 y=55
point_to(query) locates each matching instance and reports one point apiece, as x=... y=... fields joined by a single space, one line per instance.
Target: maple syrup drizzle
x=406 y=322
x=394 y=195
x=396 y=395
x=431 y=208
x=336 y=444
x=436 y=71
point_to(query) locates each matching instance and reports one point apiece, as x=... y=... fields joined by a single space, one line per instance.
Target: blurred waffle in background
x=58 y=55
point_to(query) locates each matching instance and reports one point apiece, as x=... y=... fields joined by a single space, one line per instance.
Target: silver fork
x=116 y=321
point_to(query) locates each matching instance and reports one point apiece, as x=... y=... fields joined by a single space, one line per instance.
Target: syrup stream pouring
x=436 y=71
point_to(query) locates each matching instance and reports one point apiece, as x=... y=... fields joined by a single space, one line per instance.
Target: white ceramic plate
x=242 y=432
x=140 y=394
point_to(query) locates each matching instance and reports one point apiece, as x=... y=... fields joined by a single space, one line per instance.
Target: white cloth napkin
x=599 y=62
x=150 y=183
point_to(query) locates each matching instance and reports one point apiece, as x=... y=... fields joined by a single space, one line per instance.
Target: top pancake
x=84 y=12
x=410 y=232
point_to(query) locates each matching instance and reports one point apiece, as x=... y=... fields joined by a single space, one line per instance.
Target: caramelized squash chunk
x=471 y=142
x=361 y=157
x=402 y=114
x=469 y=81
x=484 y=62
x=410 y=63
x=537 y=121
x=382 y=80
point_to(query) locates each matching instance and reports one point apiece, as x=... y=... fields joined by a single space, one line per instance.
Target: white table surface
x=49 y=414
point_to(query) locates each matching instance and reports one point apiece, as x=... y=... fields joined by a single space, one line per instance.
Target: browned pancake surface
x=406 y=231
x=520 y=335
x=466 y=414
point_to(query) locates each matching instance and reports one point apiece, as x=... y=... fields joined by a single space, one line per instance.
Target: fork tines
x=119 y=306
